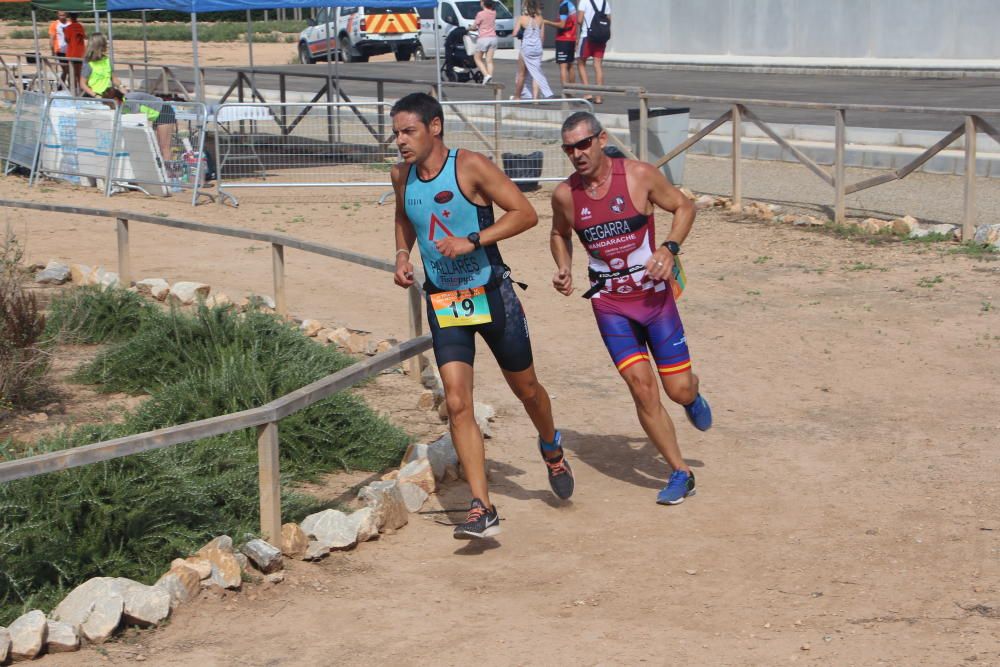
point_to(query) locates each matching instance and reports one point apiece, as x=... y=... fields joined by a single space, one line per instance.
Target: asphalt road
x=978 y=93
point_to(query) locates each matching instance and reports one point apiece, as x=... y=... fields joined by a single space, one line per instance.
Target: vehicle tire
x=418 y=53
x=305 y=57
x=449 y=74
x=350 y=54
x=477 y=77
x=404 y=53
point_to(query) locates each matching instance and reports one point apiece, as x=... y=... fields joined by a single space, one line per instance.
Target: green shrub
x=93 y=314
x=131 y=516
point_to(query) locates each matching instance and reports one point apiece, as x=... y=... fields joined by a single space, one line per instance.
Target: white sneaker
x=487 y=79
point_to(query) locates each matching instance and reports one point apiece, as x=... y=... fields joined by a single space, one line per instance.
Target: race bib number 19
x=461 y=308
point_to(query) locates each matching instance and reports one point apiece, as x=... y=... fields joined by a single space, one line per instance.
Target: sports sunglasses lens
x=581 y=145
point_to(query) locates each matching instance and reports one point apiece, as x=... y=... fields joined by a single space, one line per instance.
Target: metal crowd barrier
x=77 y=136
x=163 y=155
x=351 y=144
x=26 y=132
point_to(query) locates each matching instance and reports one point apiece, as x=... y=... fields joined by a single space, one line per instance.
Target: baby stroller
x=459 y=65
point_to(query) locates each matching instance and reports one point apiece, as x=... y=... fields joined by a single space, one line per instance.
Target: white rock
x=366 y=523
x=4 y=645
x=80 y=273
x=484 y=415
x=339 y=336
x=275 y=578
x=988 y=235
x=263 y=301
x=103 y=619
x=332 y=529
x=182 y=583
x=386 y=500
x=418 y=472
x=904 y=226
x=186 y=293
x=311 y=327
x=442 y=455
x=226 y=570
x=157 y=288
x=27 y=635
x=265 y=557
x=413 y=496
x=62 y=638
x=109 y=279
x=144 y=605
x=54 y=273
x=218 y=300
x=315 y=550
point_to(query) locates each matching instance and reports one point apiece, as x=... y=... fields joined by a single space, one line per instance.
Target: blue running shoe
x=699 y=413
x=679 y=486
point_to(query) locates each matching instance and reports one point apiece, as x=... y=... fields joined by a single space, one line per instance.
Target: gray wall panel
x=908 y=29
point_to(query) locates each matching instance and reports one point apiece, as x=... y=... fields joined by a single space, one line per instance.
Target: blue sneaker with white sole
x=679 y=486
x=699 y=413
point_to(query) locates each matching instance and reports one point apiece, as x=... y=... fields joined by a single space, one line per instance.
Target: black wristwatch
x=474 y=239
x=673 y=246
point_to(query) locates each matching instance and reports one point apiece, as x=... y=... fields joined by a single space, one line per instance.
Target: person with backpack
x=594 y=19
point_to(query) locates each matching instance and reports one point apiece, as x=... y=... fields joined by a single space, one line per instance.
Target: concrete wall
x=913 y=29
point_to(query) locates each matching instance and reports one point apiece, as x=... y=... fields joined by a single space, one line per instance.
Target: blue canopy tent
x=195 y=7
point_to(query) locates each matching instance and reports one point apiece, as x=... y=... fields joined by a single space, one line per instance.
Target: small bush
x=24 y=360
x=93 y=314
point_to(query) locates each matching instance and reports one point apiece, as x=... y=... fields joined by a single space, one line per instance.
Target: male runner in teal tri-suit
x=444 y=203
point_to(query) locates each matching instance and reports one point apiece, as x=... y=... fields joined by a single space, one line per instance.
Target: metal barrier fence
x=265 y=418
x=738 y=110
x=160 y=148
x=26 y=131
x=351 y=144
x=77 y=136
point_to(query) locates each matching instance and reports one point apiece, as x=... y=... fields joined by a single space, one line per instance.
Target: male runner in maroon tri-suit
x=609 y=203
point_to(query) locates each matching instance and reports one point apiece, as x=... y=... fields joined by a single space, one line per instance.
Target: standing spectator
x=486 y=42
x=531 y=49
x=595 y=31
x=565 y=41
x=76 y=46
x=57 y=40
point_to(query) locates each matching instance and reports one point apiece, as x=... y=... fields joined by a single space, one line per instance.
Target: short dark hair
x=423 y=105
x=582 y=117
x=488 y=4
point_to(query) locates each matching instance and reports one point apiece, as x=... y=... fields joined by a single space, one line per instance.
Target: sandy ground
x=848 y=493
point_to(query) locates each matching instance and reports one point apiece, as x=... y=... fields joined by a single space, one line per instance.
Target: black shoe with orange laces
x=560 y=474
x=479 y=523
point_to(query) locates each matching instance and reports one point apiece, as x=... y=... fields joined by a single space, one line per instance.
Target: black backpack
x=599 y=30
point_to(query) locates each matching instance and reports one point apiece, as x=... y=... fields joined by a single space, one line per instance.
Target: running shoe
x=560 y=474
x=479 y=523
x=487 y=79
x=699 y=413
x=679 y=486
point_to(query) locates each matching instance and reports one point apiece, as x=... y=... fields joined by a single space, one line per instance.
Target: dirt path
x=848 y=494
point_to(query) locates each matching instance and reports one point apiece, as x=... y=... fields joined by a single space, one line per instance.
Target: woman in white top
x=531 y=49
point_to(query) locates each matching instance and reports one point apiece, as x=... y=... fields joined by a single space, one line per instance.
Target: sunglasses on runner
x=581 y=145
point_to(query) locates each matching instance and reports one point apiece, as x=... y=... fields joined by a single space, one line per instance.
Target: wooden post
x=737 y=151
x=415 y=365
x=124 y=263
x=643 y=128
x=839 y=169
x=269 y=479
x=278 y=262
x=969 y=217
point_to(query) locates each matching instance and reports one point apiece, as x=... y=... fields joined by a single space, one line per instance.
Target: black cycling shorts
x=506 y=336
x=565 y=52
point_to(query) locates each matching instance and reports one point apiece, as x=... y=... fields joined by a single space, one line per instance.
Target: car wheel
x=305 y=57
x=419 y=54
x=403 y=53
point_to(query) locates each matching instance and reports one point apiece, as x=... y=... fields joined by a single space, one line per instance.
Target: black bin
x=523 y=166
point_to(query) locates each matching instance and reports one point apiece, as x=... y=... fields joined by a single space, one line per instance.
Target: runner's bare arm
x=405 y=235
x=663 y=194
x=485 y=183
x=561 y=239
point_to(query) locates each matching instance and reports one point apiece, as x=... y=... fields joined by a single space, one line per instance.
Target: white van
x=462 y=13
